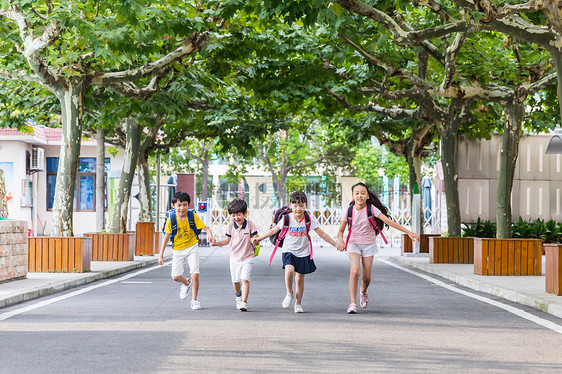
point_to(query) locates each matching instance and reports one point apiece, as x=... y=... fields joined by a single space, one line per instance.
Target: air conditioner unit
x=37 y=159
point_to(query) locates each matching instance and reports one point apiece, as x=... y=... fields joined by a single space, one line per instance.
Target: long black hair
x=374 y=199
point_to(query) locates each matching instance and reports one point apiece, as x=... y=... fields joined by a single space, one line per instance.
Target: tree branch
x=191 y=45
x=451 y=59
x=404 y=73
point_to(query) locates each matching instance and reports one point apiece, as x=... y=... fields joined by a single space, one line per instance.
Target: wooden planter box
x=145 y=239
x=58 y=254
x=553 y=268
x=112 y=247
x=451 y=250
x=408 y=246
x=507 y=256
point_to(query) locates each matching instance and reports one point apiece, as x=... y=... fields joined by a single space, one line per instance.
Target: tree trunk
x=449 y=150
x=145 y=196
x=100 y=179
x=557 y=57
x=71 y=98
x=508 y=158
x=133 y=136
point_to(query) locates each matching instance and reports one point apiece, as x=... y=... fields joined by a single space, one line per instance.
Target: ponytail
x=374 y=200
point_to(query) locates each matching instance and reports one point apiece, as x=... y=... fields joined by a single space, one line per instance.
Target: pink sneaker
x=364 y=299
x=352 y=309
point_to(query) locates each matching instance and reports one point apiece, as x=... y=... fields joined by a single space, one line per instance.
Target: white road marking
x=5 y=316
x=137 y=282
x=518 y=312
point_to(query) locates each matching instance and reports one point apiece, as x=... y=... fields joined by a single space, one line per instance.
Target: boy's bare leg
x=195 y=286
x=236 y=287
x=289 y=273
x=181 y=279
x=299 y=282
x=245 y=290
x=367 y=265
x=354 y=270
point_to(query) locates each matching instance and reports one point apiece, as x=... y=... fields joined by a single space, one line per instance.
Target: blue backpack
x=171 y=214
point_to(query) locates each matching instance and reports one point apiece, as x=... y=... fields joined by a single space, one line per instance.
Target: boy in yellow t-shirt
x=185 y=246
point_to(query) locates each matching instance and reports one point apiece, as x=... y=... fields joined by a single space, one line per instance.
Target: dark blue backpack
x=171 y=214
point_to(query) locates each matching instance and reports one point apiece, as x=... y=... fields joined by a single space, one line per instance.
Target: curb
x=521 y=298
x=63 y=285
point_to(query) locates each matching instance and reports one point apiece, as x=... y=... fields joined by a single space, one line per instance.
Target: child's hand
x=415 y=237
x=161 y=258
x=341 y=246
x=255 y=241
x=212 y=241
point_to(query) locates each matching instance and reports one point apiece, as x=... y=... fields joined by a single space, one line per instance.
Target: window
x=84 y=189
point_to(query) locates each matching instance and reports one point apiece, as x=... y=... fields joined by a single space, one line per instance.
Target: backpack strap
x=174 y=224
x=281 y=235
x=373 y=222
x=307 y=223
x=191 y=221
x=349 y=222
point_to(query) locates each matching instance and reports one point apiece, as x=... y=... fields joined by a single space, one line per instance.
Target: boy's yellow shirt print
x=185 y=237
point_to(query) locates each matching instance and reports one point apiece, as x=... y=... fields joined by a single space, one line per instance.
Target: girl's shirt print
x=296 y=241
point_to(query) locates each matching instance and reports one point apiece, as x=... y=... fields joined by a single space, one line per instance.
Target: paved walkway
x=527 y=290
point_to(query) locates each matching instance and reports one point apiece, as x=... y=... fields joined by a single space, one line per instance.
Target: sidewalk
x=526 y=290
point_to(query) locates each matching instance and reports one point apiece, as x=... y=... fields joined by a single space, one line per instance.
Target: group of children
x=366 y=216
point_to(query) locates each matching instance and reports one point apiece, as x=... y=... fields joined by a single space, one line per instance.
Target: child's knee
x=177 y=278
x=195 y=277
x=354 y=273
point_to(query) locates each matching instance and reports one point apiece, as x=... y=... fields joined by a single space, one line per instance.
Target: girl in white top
x=362 y=243
x=296 y=248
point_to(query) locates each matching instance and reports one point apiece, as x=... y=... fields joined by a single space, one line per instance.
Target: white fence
x=329 y=220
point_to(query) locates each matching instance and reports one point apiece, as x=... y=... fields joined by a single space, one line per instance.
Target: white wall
x=14 y=152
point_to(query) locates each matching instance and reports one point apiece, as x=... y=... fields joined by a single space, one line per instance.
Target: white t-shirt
x=296 y=240
x=361 y=231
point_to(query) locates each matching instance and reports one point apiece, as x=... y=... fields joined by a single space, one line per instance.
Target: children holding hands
x=366 y=217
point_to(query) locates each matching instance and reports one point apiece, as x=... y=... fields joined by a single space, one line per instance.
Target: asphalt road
x=137 y=324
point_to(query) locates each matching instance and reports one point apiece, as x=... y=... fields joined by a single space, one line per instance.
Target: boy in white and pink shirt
x=239 y=232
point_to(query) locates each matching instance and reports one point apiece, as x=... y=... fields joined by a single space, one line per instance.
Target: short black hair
x=181 y=197
x=298 y=198
x=237 y=206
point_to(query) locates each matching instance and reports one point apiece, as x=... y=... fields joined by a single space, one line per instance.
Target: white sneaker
x=287 y=301
x=195 y=305
x=298 y=308
x=238 y=299
x=242 y=306
x=184 y=290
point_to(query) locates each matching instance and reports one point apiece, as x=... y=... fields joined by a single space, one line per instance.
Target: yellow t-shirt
x=185 y=237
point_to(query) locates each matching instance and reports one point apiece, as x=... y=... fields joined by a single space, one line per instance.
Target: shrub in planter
x=549 y=232
x=480 y=229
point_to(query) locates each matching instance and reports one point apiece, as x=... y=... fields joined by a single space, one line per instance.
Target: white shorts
x=240 y=269
x=365 y=250
x=178 y=257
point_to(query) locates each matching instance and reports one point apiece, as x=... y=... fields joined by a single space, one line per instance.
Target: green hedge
x=549 y=231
